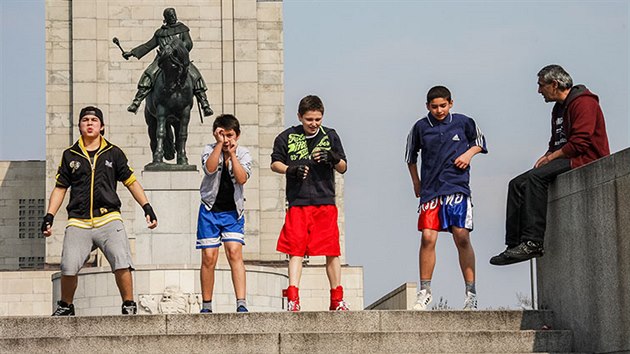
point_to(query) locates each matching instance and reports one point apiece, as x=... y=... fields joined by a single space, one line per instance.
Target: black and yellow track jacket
x=93 y=199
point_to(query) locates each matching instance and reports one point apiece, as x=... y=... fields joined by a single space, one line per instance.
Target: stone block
x=584 y=238
x=270 y=98
x=144 y=13
x=270 y=56
x=246 y=72
x=84 y=94
x=157 y=283
x=269 y=12
x=17 y=286
x=245 y=29
x=84 y=71
x=141 y=282
x=83 y=49
x=245 y=10
x=84 y=28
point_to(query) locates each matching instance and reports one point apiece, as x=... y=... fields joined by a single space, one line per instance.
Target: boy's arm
x=240 y=174
x=212 y=163
x=463 y=161
x=477 y=141
x=279 y=167
x=56 y=198
x=415 y=178
x=342 y=166
x=138 y=194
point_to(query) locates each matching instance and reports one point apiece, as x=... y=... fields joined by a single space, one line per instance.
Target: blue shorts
x=446 y=211
x=214 y=228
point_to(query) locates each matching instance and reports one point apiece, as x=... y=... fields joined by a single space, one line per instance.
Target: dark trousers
x=526 y=217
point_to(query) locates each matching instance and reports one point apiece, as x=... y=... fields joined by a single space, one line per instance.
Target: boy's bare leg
x=209 y=258
x=295 y=270
x=461 y=236
x=333 y=271
x=427 y=253
x=234 y=253
x=124 y=281
x=68 y=287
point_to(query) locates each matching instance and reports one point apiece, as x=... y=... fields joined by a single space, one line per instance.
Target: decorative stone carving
x=171 y=301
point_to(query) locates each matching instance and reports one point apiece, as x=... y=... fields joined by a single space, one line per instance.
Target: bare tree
x=524 y=301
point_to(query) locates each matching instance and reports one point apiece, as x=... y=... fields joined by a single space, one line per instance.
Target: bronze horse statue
x=168 y=105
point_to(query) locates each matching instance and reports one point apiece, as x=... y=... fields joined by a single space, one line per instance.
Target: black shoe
x=241 y=308
x=501 y=258
x=129 y=308
x=63 y=309
x=524 y=251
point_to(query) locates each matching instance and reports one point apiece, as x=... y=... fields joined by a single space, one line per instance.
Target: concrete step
x=283 y=332
x=326 y=342
x=275 y=322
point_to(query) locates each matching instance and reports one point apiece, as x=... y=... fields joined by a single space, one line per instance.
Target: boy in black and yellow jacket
x=91 y=169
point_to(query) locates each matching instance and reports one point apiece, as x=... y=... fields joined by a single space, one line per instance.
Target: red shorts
x=310 y=230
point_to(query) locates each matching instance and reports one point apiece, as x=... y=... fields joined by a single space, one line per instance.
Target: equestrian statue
x=168 y=84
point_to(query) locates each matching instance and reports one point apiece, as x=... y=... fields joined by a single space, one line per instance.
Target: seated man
x=578 y=136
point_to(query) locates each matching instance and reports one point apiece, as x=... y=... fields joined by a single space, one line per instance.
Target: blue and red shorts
x=446 y=211
x=310 y=230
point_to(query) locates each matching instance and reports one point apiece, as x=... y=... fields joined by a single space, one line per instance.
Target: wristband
x=148 y=211
x=48 y=221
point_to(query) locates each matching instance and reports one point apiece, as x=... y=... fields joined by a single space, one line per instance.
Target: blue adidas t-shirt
x=440 y=143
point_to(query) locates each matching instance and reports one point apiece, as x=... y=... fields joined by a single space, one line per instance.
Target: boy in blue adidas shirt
x=227 y=167
x=447 y=141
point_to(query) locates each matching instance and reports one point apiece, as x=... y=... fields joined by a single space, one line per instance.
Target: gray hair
x=556 y=73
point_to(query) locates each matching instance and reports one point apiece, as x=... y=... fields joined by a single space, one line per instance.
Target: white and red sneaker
x=293 y=298
x=336 y=300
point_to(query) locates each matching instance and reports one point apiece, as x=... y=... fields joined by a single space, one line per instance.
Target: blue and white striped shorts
x=216 y=227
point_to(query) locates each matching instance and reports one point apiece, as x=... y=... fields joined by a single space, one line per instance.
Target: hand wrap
x=148 y=211
x=48 y=221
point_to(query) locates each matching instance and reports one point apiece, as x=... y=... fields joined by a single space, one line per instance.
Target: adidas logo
x=456 y=137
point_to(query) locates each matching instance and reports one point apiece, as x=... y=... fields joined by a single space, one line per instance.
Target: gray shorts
x=110 y=238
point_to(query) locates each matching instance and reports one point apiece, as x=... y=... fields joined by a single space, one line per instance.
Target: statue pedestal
x=170 y=167
x=174 y=196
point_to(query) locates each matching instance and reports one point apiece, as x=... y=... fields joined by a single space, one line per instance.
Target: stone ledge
x=331 y=342
x=274 y=322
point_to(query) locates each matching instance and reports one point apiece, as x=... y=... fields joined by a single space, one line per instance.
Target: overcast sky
x=372 y=63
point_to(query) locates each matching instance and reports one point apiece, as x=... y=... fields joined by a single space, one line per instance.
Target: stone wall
x=584 y=276
x=22 y=194
x=26 y=293
x=401 y=298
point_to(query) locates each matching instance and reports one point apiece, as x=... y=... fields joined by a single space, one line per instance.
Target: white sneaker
x=470 y=303
x=293 y=306
x=423 y=300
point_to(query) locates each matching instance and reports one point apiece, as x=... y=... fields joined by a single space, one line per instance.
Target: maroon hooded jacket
x=578 y=127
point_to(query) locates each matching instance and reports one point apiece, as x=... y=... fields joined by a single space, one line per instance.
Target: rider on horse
x=163 y=36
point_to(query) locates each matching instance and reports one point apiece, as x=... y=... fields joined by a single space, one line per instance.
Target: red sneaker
x=293 y=298
x=336 y=300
